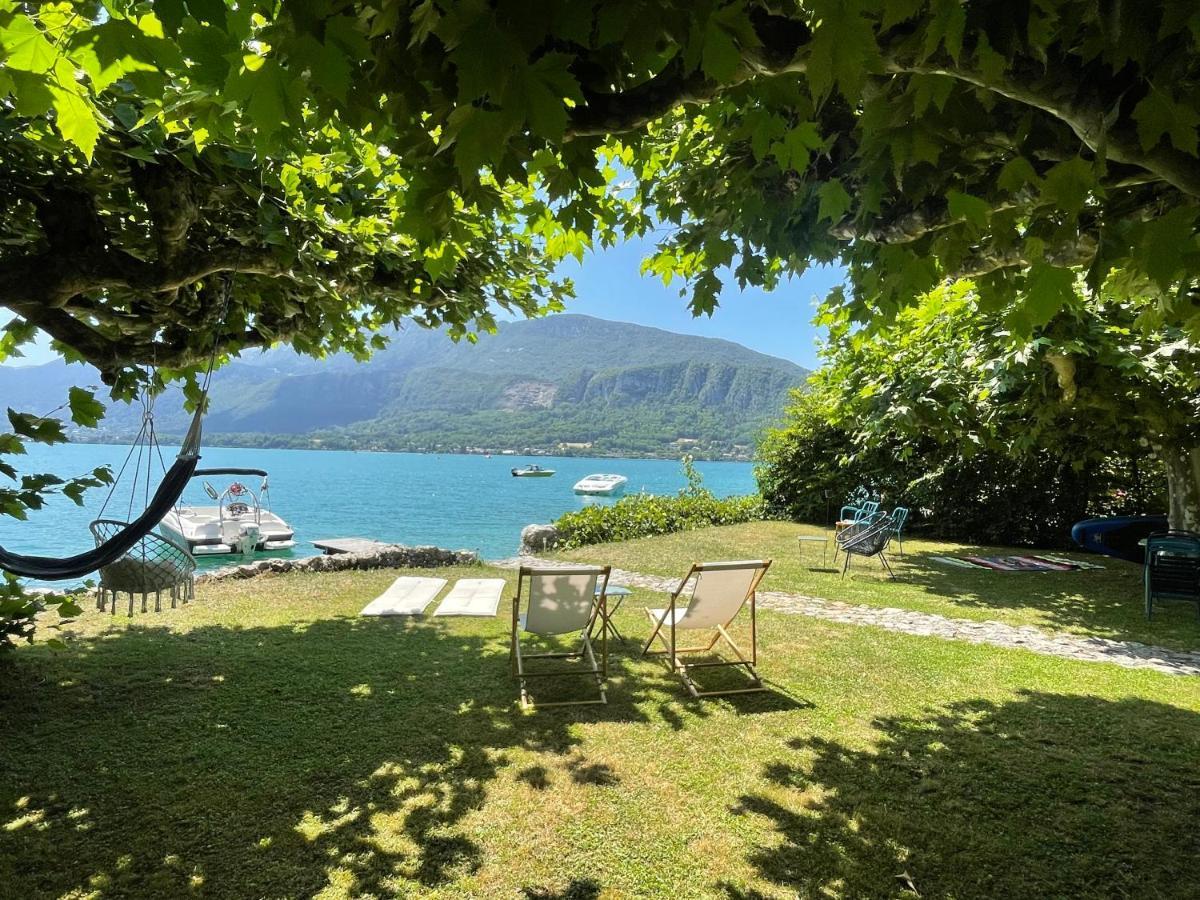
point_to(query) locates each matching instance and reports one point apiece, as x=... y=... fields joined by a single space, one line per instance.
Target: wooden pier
x=331 y=546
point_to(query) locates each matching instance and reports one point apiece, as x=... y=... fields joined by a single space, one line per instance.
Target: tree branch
x=1056 y=87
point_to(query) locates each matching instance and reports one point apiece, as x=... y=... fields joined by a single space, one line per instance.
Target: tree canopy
x=355 y=162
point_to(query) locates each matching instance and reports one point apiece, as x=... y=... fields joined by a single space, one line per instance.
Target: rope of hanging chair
x=46 y=568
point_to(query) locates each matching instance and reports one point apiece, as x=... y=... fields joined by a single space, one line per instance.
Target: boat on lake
x=240 y=522
x=601 y=485
x=532 y=472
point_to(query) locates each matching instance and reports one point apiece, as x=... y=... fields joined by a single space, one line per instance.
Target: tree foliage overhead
x=382 y=157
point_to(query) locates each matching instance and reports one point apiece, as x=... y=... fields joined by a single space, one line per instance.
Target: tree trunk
x=1183 y=486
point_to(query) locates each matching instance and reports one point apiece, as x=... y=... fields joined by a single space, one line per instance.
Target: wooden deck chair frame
x=598 y=613
x=720 y=632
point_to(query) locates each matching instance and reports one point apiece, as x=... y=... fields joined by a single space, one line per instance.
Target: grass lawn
x=1101 y=603
x=267 y=742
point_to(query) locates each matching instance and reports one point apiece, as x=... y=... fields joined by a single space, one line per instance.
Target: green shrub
x=808 y=465
x=644 y=515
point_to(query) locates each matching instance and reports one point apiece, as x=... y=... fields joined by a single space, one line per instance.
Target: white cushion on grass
x=407 y=596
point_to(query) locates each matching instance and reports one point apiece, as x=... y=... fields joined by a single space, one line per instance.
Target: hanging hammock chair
x=121 y=540
x=154 y=564
x=130 y=558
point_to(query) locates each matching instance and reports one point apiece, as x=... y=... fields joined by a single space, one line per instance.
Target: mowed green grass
x=1096 y=602
x=267 y=742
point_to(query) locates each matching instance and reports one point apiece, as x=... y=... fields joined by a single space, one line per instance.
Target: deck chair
x=561 y=601
x=719 y=591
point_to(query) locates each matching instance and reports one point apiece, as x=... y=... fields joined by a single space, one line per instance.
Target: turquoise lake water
x=451 y=501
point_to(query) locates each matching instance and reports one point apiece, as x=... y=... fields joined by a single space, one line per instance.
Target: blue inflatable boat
x=1117 y=536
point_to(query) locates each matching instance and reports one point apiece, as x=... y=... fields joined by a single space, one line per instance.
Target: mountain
x=566 y=383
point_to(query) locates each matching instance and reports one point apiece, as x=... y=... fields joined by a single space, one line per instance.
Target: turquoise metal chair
x=1172 y=570
x=899 y=518
x=854 y=502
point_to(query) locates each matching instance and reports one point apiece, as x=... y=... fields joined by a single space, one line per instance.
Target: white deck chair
x=561 y=600
x=719 y=591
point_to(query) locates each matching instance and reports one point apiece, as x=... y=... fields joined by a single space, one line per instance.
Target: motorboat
x=240 y=522
x=601 y=485
x=532 y=472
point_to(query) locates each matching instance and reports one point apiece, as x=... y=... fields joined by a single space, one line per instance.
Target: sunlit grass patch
x=267 y=741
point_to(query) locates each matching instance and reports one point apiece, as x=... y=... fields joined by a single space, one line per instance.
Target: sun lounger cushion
x=472 y=597
x=407 y=596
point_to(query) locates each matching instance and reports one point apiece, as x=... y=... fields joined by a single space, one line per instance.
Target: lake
x=452 y=501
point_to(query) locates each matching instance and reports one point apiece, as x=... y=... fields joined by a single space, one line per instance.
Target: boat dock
x=332 y=546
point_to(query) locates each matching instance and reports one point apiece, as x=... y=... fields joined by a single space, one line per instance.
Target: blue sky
x=609 y=285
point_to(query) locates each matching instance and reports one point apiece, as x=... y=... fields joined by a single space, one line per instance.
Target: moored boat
x=532 y=472
x=601 y=485
x=241 y=522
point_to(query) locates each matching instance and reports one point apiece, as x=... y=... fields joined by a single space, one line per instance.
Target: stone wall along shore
x=391 y=556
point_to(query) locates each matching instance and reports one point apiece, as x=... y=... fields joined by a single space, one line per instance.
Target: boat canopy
x=199 y=473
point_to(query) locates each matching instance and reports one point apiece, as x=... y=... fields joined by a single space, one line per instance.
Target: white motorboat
x=601 y=485
x=532 y=472
x=241 y=522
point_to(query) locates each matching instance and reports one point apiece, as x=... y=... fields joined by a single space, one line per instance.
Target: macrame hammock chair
x=129 y=556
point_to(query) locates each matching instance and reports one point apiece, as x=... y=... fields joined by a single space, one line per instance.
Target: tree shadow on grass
x=1099 y=603
x=265 y=761
x=1044 y=796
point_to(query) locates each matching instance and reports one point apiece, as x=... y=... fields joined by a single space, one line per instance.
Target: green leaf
x=927 y=89
x=991 y=65
x=72 y=113
x=1166 y=245
x=834 y=201
x=25 y=46
x=116 y=48
x=211 y=11
x=719 y=57
x=46 y=431
x=1068 y=185
x=1047 y=290
x=548 y=86
x=945 y=28
x=86 y=410
x=843 y=49
x=31 y=93
x=897 y=11
x=267 y=106
x=969 y=208
x=424 y=18
x=1159 y=114
x=798 y=144
x=1016 y=174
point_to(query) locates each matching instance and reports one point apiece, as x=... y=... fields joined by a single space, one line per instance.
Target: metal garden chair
x=899 y=519
x=867 y=538
x=1172 y=570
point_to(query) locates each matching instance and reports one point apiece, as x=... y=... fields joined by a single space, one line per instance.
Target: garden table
x=617 y=593
x=803 y=539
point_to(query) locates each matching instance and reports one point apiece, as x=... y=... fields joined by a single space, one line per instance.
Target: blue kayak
x=1117 y=535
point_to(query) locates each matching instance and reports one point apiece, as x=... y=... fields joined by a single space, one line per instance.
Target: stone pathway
x=1130 y=654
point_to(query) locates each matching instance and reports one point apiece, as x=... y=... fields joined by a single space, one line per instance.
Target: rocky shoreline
x=391 y=556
